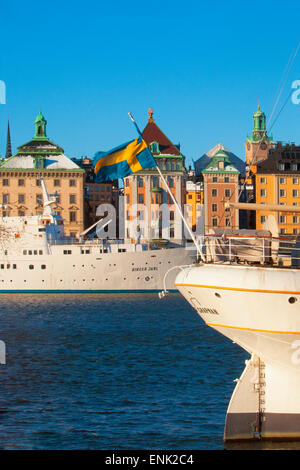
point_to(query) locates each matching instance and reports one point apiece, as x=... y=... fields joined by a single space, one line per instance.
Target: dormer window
x=39 y=163
x=154 y=146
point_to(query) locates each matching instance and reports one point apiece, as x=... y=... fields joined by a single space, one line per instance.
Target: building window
x=227 y=192
x=263 y=180
x=72 y=198
x=21 y=213
x=263 y=193
x=294 y=166
x=141 y=198
x=171 y=215
x=72 y=183
x=214 y=193
x=72 y=216
x=282 y=193
x=140 y=182
x=39 y=199
x=171 y=181
x=56 y=182
x=295 y=219
x=262 y=219
x=172 y=232
x=214 y=222
x=227 y=221
x=39 y=163
x=215 y=179
x=295 y=231
x=282 y=180
x=295 y=193
x=5 y=182
x=38 y=182
x=281 y=166
x=282 y=219
x=295 y=181
x=21 y=182
x=21 y=198
x=226 y=179
x=5 y=198
x=214 y=207
x=282 y=231
x=154 y=146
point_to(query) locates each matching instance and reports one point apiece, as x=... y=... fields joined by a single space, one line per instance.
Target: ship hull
x=257 y=308
x=140 y=271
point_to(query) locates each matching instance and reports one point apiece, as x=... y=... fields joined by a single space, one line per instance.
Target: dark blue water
x=112 y=372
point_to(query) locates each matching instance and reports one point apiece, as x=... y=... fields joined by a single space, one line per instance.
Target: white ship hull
x=134 y=271
x=257 y=308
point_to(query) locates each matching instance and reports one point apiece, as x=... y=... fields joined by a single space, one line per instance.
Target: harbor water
x=125 y=371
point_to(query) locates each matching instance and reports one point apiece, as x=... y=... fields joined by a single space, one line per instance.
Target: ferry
x=36 y=256
x=256 y=303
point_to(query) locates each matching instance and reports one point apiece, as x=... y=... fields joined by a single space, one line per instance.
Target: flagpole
x=172 y=197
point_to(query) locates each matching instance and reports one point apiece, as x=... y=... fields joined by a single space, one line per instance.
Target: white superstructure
x=257 y=307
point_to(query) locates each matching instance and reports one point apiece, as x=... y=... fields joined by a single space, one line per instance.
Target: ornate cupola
x=40 y=127
x=259 y=124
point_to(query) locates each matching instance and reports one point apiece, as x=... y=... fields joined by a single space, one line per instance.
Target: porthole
x=292 y=300
x=31 y=266
x=218 y=295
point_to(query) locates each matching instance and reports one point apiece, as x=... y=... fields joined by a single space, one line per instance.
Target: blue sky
x=202 y=66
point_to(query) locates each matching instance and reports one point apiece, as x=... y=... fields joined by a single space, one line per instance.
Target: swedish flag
x=124 y=160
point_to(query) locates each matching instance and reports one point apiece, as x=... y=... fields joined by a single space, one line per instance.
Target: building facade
x=278 y=182
x=146 y=192
x=221 y=184
x=20 y=185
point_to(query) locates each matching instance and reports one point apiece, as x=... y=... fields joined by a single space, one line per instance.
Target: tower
x=257 y=145
x=40 y=127
x=8 y=153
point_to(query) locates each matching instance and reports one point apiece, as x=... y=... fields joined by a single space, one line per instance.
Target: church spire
x=8 y=143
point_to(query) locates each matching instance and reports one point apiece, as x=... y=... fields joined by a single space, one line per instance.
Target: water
x=112 y=371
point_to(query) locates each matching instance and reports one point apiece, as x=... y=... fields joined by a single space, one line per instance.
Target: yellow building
x=277 y=181
x=194 y=200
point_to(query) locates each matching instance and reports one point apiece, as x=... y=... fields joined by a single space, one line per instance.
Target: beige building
x=20 y=186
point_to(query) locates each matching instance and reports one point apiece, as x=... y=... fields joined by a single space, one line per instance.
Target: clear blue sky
x=201 y=65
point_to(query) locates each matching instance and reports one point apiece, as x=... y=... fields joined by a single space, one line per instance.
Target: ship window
x=67 y=252
x=31 y=266
x=30 y=252
x=14 y=266
x=2 y=266
x=24 y=252
x=35 y=252
x=43 y=266
x=8 y=266
x=40 y=252
x=42 y=230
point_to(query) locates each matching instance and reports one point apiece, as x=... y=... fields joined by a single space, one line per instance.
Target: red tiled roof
x=152 y=133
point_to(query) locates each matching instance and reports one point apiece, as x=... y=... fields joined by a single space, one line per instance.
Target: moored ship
x=35 y=256
x=256 y=305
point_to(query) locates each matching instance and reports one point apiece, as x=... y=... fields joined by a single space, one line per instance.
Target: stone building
x=20 y=186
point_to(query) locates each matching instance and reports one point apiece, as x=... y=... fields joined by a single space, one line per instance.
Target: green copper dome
x=40 y=118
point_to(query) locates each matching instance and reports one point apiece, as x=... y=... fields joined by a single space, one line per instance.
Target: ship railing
x=282 y=251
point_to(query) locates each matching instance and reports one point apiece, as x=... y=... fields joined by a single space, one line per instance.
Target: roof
x=204 y=161
x=213 y=165
x=152 y=133
x=51 y=162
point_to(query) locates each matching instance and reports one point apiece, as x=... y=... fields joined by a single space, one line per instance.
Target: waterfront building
x=145 y=190
x=278 y=182
x=194 y=201
x=20 y=185
x=95 y=193
x=220 y=171
x=221 y=184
